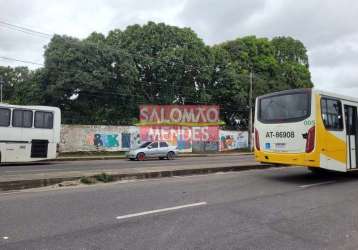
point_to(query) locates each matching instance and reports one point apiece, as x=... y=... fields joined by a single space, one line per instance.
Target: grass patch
x=88 y=180
x=103 y=177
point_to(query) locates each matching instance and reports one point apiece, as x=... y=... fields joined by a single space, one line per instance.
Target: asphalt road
x=103 y=165
x=278 y=208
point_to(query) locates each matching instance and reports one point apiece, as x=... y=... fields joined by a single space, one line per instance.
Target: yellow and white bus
x=28 y=133
x=307 y=127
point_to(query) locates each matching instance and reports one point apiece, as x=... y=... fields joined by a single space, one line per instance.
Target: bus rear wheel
x=318 y=171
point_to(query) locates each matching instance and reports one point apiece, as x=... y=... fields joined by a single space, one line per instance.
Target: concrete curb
x=89 y=158
x=35 y=183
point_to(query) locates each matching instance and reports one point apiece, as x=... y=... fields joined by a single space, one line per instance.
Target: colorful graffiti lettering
x=227 y=142
x=178 y=133
x=126 y=140
x=135 y=139
x=103 y=140
x=242 y=140
x=230 y=140
x=181 y=137
x=182 y=145
x=189 y=115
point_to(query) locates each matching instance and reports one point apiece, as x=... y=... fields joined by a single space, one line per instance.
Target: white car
x=160 y=149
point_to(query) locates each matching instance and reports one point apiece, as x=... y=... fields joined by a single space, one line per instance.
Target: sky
x=328 y=28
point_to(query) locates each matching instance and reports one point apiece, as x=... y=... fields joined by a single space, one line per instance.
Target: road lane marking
x=5 y=238
x=160 y=210
x=317 y=184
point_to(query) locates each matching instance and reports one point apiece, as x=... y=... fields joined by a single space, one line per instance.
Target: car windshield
x=144 y=145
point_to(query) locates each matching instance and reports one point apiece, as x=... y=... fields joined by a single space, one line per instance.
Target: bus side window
x=22 y=118
x=332 y=114
x=324 y=111
x=5 y=117
x=43 y=119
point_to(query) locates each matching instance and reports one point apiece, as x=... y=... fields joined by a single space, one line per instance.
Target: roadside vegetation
x=103 y=177
x=103 y=78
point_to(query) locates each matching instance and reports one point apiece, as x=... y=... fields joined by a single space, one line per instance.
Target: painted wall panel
x=75 y=138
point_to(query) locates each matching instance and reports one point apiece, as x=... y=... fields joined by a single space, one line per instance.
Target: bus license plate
x=280 y=146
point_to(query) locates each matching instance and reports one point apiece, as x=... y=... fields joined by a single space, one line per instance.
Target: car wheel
x=170 y=155
x=161 y=158
x=131 y=159
x=140 y=156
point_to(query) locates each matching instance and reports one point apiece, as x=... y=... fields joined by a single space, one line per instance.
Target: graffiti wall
x=175 y=135
x=181 y=136
x=180 y=125
x=230 y=140
x=98 y=138
x=75 y=138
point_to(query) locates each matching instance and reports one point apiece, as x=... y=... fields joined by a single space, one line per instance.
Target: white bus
x=307 y=127
x=28 y=133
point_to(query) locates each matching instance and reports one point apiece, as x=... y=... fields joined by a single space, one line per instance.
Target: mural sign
x=242 y=140
x=121 y=138
x=103 y=140
x=181 y=136
x=180 y=115
x=230 y=140
x=180 y=125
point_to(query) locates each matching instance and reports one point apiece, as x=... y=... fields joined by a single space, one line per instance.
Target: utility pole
x=250 y=113
x=1 y=84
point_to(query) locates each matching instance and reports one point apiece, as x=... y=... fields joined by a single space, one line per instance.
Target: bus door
x=351 y=135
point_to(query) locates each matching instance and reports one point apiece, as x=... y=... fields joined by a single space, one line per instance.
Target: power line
x=159 y=84
x=103 y=46
x=30 y=31
x=18 y=60
x=24 y=29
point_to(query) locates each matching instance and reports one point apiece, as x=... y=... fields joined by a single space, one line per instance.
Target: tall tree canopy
x=102 y=79
x=20 y=85
x=277 y=64
x=174 y=65
x=90 y=81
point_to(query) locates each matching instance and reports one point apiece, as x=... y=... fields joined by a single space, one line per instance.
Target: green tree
x=174 y=65
x=279 y=64
x=292 y=58
x=228 y=89
x=92 y=83
x=102 y=79
x=287 y=49
x=20 y=86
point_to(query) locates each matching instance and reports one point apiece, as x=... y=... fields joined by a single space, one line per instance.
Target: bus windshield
x=289 y=107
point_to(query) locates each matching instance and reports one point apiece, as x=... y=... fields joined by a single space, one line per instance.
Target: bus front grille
x=39 y=148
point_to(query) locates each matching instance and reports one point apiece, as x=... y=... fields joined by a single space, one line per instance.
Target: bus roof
x=35 y=107
x=338 y=96
x=314 y=90
x=288 y=91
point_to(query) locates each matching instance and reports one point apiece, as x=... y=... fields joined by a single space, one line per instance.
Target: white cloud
x=217 y=21
x=327 y=27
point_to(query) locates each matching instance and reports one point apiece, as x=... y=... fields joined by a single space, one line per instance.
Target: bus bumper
x=300 y=159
